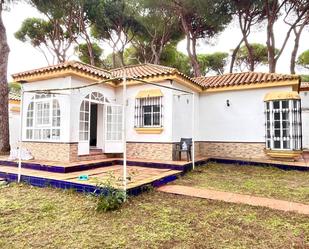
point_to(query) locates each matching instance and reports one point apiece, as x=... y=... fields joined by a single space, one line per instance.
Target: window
x=84 y=114
x=283 y=124
x=84 y=119
x=114 y=123
x=43 y=118
x=148 y=112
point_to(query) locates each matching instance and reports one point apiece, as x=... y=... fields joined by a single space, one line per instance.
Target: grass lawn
x=270 y=182
x=48 y=218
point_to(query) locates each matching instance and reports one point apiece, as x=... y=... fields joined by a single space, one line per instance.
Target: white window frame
x=38 y=128
x=140 y=112
x=293 y=126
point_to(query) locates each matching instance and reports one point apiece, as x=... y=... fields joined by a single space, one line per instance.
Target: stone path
x=236 y=198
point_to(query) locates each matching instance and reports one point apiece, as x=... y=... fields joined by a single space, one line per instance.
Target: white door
x=84 y=128
x=113 y=129
x=305 y=127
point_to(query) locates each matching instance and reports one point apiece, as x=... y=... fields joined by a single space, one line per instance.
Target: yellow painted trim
x=150 y=93
x=15 y=109
x=289 y=154
x=157 y=79
x=14 y=102
x=150 y=130
x=293 y=83
x=58 y=74
x=281 y=95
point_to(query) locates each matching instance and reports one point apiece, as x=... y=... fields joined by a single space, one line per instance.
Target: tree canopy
x=259 y=56
x=303 y=59
x=215 y=62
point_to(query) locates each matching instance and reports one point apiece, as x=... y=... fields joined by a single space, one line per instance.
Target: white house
x=14 y=118
x=73 y=111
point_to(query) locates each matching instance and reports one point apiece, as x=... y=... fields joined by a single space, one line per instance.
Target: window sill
x=149 y=130
x=288 y=154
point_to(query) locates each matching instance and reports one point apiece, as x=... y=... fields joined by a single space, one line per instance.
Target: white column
x=124 y=103
x=20 y=134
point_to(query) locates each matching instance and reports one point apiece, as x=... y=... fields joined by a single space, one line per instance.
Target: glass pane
x=46 y=134
x=277 y=144
x=276 y=105
x=147 y=119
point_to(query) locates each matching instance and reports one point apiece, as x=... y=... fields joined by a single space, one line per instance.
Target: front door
x=113 y=129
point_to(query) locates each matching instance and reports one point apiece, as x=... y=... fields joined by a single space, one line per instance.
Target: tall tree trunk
x=195 y=63
x=233 y=57
x=296 y=45
x=191 y=48
x=4 y=114
x=271 y=48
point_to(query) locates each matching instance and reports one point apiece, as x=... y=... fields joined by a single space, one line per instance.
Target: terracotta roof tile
x=151 y=70
x=235 y=79
x=73 y=64
x=142 y=70
x=14 y=96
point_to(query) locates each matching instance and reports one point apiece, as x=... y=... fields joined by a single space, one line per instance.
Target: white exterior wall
x=14 y=126
x=242 y=121
x=305 y=118
x=182 y=113
x=167 y=102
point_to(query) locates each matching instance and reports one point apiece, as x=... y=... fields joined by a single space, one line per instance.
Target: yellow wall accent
x=14 y=102
x=281 y=95
x=15 y=109
x=58 y=74
x=289 y=154
x=155 y=79
x=150 y=130
x=149 y=93
x=293 y=83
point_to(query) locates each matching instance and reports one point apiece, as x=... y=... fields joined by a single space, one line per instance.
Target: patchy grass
x=270 y=182
x=48 y=218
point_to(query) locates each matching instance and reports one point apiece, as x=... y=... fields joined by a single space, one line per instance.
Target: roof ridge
x=248 y=72
x=73 y=62
x=143 y=64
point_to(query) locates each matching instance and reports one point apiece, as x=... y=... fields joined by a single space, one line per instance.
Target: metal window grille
x=283 y=125
x=148 y=112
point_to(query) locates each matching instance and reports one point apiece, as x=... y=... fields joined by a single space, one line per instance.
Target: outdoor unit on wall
x=283 y=125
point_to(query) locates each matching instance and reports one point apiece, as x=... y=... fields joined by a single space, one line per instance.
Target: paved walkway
x=236 y=198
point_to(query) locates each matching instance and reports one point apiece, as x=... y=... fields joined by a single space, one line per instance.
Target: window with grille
x=43 y=118
x=148 y=112
x=283 y=124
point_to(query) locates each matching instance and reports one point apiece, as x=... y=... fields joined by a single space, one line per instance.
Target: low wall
x=233 y=150
x=151 y=151
x=64 y=152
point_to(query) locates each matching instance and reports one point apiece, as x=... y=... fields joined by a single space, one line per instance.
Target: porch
x=141 y=173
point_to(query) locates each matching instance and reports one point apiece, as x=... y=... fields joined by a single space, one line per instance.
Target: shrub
x=110 y=198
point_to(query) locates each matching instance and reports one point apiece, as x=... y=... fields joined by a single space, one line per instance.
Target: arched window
x=84 y=114
x=43 y=118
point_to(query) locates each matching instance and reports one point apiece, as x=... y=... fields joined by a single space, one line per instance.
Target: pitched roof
x=151 y=70
x=246 y=78
x=304 y=85
x=13 y=95
x=142 y=70
x=70 y=64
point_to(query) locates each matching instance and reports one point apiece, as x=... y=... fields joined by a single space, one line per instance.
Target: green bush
x=110 y=198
